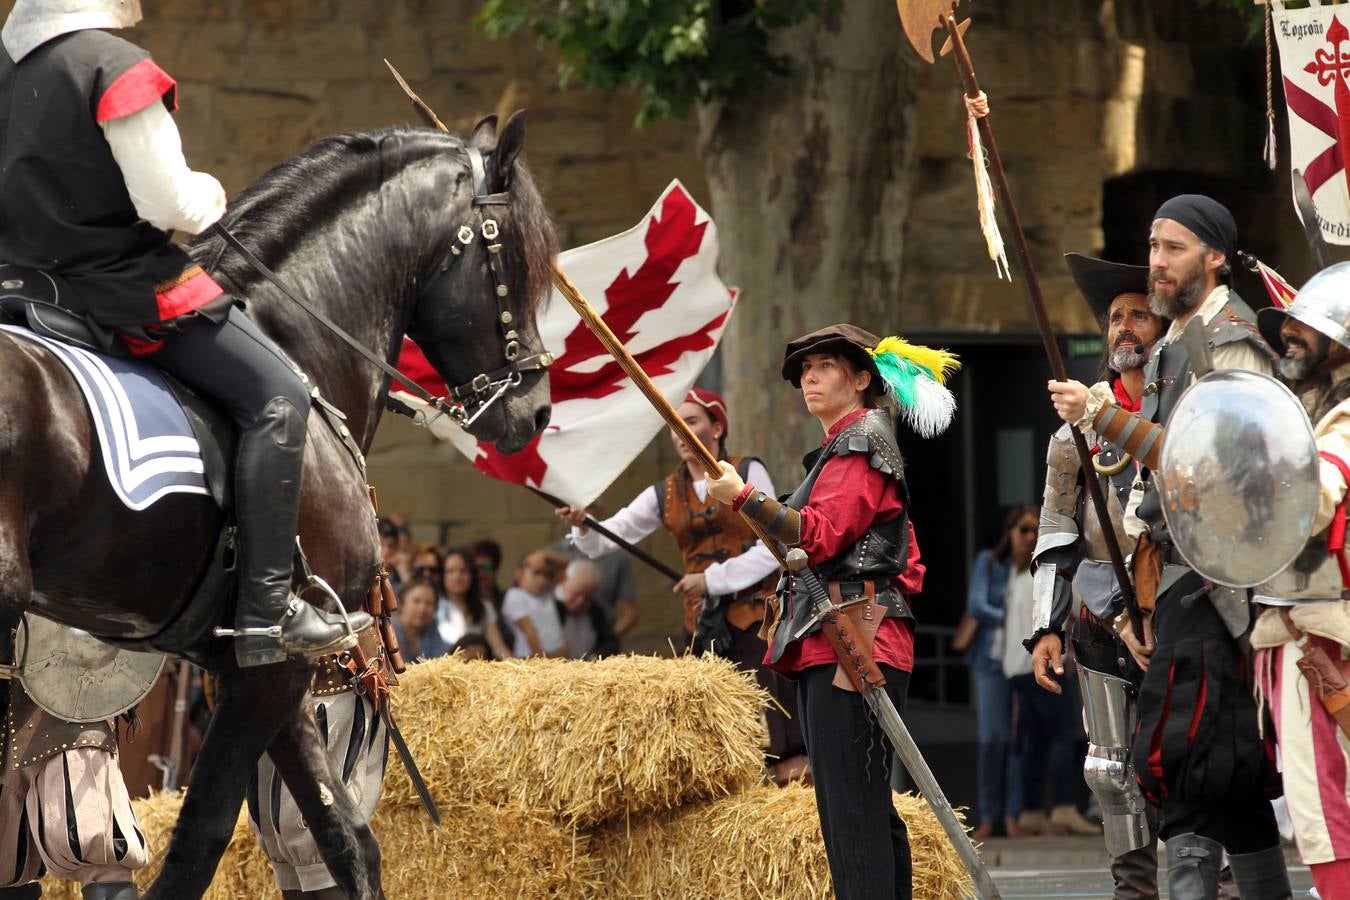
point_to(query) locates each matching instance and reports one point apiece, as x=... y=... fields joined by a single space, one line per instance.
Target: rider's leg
x=237 y=365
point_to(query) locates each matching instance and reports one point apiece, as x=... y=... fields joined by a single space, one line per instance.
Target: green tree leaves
x=672 y=53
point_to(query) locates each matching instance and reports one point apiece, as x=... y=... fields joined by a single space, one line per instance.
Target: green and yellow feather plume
x=915 y=377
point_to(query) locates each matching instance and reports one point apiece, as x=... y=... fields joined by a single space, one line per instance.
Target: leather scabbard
x=867 y=616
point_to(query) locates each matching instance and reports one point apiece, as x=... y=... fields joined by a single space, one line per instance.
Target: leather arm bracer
x=780 y=521
x=1133 y=433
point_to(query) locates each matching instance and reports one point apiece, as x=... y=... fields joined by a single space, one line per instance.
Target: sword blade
x=410 y=764
x=1312 y=228
x=894 y=727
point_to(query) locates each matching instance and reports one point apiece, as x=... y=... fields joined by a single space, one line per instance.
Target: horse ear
x=484 y=136
x=510 y=143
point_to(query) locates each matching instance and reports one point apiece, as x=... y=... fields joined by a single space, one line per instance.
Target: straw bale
x=478 y=851
x=484 y=852
x=763 y=843
x=588 y=741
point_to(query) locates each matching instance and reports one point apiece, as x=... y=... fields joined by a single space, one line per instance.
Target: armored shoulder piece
x=873 y=435
x=1236 y=323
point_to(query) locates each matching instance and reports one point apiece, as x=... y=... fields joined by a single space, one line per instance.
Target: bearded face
x=1305 y=350
x=1131 y=329
x=1179 y=291
x=1128 y=356
x=1180 y=269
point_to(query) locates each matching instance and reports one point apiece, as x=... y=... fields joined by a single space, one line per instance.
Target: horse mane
x=279 y=210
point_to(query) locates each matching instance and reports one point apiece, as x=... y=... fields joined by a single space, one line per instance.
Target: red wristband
x=743 y=496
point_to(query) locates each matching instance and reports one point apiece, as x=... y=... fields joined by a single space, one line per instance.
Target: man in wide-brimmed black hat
x=1071 y=558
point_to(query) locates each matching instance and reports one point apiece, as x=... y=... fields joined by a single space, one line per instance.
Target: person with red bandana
x=728 y=572
x=851 y=517
x=94 y=183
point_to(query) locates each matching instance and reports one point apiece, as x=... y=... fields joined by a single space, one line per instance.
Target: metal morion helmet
x=33 y=23
x=1322 y=304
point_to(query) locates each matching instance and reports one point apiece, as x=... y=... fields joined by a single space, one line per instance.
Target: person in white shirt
x=531 y=609
x=728 y=572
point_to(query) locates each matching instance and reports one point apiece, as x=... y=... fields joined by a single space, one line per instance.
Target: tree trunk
x=810 y=182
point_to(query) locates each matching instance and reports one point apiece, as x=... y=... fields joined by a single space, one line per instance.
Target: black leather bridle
x=465 y=402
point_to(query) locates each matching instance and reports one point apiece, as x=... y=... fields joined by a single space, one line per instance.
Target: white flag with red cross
x=1315 y=68
x=656 y=286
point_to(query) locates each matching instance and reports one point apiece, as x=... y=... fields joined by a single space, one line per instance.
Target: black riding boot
x=1193 y=863
x=110 y=890
x=24 y=892
x=1261 y=875
x=271 y=623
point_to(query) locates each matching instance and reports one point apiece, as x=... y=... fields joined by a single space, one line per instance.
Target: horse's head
x=475 y=320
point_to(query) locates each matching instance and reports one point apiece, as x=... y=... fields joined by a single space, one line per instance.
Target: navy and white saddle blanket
x=149 y=447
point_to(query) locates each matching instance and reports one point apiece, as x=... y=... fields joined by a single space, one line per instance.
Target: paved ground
x=1060 y=868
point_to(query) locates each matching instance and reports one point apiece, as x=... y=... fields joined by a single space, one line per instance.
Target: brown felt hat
x=843 y=340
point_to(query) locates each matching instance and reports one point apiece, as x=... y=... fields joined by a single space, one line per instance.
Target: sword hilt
x=842 y=632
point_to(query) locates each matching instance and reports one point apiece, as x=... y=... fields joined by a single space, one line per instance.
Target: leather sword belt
x=331 y=678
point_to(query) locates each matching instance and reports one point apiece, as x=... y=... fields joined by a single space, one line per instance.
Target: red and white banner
x=1315 y=64
x=656 y=285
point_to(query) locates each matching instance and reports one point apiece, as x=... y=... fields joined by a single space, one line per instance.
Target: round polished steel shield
x=1239 y=477
x=78 y=678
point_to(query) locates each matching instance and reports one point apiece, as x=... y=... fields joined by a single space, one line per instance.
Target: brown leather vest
x=706 y=532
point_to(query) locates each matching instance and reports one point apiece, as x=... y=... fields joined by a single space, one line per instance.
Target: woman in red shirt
x=851 y=517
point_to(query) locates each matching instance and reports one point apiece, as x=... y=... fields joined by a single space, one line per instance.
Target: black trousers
x=231 y=362
x=1199 y=752
x=865 y=839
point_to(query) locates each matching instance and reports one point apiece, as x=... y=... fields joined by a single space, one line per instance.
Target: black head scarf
x=1209 y=219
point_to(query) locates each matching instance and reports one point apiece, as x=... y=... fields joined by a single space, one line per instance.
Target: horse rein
x=466 y=402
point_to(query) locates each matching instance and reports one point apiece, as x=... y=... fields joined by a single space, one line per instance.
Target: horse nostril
x=541 y=418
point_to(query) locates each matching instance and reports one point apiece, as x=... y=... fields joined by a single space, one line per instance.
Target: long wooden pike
x=615 y=347
x=426 y=112
x=920 y=19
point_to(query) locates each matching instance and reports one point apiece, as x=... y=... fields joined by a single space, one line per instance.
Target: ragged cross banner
x=656 y=286
x=1314 y=48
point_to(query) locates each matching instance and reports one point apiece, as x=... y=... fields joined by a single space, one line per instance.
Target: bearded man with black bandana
x=1199 y=752
x=1071 y=558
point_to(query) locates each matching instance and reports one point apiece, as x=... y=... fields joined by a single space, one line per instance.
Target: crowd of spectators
x=557 y=603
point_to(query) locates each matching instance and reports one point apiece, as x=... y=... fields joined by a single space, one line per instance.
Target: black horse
x=361 y=226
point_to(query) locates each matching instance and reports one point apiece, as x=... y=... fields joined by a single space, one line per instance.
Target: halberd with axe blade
x=920 y=19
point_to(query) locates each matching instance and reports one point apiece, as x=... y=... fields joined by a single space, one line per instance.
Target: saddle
x=32 y=298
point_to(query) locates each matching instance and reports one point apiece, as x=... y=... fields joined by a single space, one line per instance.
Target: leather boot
x=1261 y=875
x=23 y=892
x=110 y=890
x=1193 y=863
x=272 y=624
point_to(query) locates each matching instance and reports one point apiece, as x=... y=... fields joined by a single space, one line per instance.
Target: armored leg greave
x=1110 y=719
x=1193 y=863
x=1261 y=875
x=271 y=624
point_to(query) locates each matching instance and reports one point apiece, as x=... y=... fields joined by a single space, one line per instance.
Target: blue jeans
x=999 y=771
x=1045 y=726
